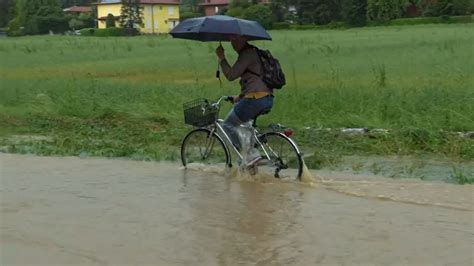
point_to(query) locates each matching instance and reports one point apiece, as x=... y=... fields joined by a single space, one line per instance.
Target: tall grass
x=416 y=81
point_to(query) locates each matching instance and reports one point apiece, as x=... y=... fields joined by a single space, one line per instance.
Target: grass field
x=123 y=96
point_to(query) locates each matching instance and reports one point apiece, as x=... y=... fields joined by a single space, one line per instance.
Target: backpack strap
x=256 y=50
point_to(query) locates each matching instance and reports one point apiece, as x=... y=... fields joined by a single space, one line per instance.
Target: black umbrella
x=219 y=28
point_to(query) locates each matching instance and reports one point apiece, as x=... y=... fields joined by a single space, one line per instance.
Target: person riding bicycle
x=255 y=97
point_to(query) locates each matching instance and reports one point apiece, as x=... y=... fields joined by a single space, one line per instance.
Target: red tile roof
x=166 y=2
x=158 y=2
x=78 y=9
x=215 y=3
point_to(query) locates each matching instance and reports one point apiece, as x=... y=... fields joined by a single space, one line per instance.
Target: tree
x=188 y=9
x=250 y=10
x=318 y=11
x=37 y=16
x=280 y=9
x=110 y=21
x=447 y=7
x=240 y=3
x=385 y=10
x=5 y=12
x=131 y=16
x=87 y=19
x=355 y=12
x=51 y=18
x=69 y=3
x=189 y=6
x=260 y=13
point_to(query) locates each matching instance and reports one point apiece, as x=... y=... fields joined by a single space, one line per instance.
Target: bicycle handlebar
x=223 y=98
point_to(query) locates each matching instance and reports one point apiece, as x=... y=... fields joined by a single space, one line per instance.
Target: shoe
x=263 y=161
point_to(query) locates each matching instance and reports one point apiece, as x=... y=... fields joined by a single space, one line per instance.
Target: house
x=215 y=7
x=159 y=16
x=78 y=9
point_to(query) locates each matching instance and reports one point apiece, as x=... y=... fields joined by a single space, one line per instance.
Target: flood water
x=71 y=211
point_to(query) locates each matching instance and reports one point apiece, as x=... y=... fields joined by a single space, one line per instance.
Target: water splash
x=242 y=174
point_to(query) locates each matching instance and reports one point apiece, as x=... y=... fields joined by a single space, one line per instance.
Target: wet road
x=65 y=211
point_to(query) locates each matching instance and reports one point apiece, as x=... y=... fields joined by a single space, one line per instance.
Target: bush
x=336 y=25
x=87 y=32
x=109 y=32
x=305 y=27
x=332 y=25
x=14 y=28
x=395 y=22
x=48 y=18
x=189 y=14
x=414 y=21
x=87 y=19
x=460 y=19
x=14 y=33
x=281 y=26
x=76 y=24
x=430 y=20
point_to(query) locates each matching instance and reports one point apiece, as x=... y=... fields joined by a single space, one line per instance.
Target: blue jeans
x=244 y=111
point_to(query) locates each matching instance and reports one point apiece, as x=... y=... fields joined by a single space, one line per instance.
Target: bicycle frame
x=219 y=130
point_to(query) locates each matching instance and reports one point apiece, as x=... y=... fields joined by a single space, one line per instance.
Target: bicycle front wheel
x=285 y=159
x=201 y=147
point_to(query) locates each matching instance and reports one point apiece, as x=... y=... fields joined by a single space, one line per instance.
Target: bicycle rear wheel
x=285 y=159
x=203 y=148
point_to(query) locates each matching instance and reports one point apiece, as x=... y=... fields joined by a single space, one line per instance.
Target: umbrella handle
x=218 y=74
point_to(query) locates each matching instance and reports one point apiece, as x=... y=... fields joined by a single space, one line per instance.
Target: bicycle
x=209 y=143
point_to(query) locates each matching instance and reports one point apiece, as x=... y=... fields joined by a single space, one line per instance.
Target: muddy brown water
x=71 y=211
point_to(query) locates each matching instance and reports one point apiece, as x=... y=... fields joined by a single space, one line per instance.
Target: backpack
x=272 y=74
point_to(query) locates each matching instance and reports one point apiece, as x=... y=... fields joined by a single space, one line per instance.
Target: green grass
x=123 y=96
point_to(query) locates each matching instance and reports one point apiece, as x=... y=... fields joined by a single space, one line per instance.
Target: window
x=148 y=19
x=170 y=10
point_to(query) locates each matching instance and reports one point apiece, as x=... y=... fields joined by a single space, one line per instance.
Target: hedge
x=281 y=26
x=395 y=22
x=103 y=32
x=423 y=20
x=332 y=25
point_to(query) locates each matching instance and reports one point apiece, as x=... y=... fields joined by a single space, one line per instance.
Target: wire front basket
x=200 y=113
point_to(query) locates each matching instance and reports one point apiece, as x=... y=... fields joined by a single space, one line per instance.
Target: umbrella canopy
x=219 y=28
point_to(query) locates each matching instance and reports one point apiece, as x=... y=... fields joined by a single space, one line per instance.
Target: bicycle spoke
x=284 y=157
x=202 y=148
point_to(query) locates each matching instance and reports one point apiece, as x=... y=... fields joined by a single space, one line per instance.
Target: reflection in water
x=96 y=212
